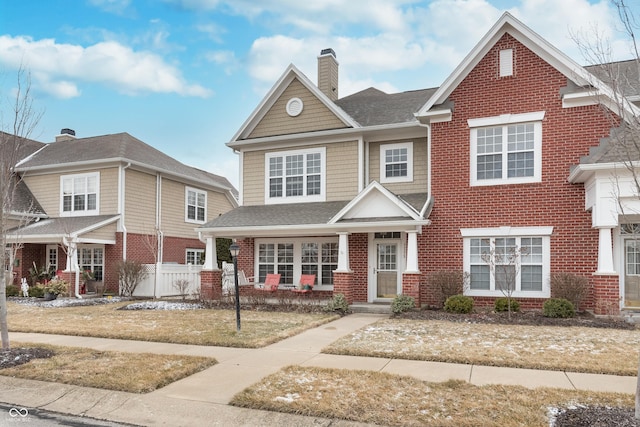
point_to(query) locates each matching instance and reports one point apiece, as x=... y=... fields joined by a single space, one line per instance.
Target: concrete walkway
x=202 y=398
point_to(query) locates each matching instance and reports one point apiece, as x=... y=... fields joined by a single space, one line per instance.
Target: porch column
x=605 y=252
x=72 y=255
x=412 y=252
x=210 y=255
x=343 y=253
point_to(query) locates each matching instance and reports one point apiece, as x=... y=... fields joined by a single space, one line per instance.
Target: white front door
x=386 y=261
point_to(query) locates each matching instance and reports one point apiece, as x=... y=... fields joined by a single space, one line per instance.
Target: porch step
x=370 y=308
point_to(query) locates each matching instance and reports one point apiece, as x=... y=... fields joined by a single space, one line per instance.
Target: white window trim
x=504 y=120
x=297 y=255
x=186 y=205
x=87 y=212
x=520 y=232
x=50 y=248
x=409 y=178
x=196 y=252
x=296 y=199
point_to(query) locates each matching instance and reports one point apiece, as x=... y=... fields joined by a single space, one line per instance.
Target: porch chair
x=271 y=283
x=306 y=284
x=243 y=280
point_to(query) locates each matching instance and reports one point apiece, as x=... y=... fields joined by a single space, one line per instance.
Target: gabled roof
x=24 y=202
x=375 y=201
x=549 y=53
x=55 y=229
x=372 y=107
x=120 y=147
x=276 y=91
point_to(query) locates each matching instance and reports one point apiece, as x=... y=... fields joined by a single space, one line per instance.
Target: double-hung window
x=195 y=256
x=80 y=194
x=506 y=149
x=296 y=256
x=196 y=205
x=295 y=175
x=508 y=260
x=396 y=162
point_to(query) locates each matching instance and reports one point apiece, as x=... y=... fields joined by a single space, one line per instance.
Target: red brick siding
x=567 y=135
x=211 y=284
x=411 y=286
x=359 y=264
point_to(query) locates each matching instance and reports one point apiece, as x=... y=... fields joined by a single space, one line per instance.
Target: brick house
x=87 y=203
x=374 y=192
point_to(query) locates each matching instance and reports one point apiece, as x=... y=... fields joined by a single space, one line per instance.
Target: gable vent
x=506 y=62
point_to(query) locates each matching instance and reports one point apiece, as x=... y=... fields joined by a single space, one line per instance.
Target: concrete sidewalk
x=202 y=399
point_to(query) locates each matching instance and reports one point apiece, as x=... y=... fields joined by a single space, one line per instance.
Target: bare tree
x=622 y=148
x=18 y=119
x=504 y=263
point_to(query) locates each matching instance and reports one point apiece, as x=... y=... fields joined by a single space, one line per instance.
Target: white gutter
x=429 y=203
x=121 y=202
x=116 y=160
x=74 y=264
x=323 y=134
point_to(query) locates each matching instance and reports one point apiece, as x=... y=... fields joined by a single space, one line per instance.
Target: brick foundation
x=411 y=286
x=211 y=284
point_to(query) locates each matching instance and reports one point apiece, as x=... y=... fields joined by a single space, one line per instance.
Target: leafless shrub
x=181 y=285
x=570 y=287
x=130 y=273
x=448 y=283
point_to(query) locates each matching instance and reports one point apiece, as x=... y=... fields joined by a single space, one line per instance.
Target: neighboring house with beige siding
x=108 y=198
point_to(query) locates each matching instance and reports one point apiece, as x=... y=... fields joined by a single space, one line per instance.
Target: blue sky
x=183 y=75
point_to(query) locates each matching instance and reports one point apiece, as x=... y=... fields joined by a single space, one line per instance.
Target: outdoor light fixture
x=235 y=250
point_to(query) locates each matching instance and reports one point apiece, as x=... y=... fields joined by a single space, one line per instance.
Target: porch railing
x=162 y=280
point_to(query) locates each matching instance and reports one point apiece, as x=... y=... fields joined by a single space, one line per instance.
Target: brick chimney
x=66 y=135
x=328 y=73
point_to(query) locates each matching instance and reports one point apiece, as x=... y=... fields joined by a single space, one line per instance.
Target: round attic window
x=294 y=107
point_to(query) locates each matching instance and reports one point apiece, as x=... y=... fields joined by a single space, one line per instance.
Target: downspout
x=159 y=233
x=74 y=265
x=122 y=210
x=426 y=209
x=361 y=164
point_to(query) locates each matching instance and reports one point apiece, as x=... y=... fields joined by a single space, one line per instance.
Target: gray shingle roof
x=25 y=201
x=15 y=149
x=623 y=76
x=372 y=107
x=62 y=226
x=285 y=214
x=294 y=213
x=118 y=146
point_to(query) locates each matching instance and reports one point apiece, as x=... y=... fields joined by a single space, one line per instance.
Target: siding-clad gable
x=341 y=172
x=140 y=202
x=46 y=189
x=315 y=116
x=420 y=159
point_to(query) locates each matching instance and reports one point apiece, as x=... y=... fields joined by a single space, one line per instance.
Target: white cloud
x=224 y=58
x=427 y=38
x=59 y=68
x=112 y=6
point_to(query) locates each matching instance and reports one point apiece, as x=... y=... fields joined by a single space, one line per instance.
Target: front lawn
x=199 y=326
x=575 y=349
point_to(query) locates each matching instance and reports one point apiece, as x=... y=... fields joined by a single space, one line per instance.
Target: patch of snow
x=162 y=305
x=288 y=398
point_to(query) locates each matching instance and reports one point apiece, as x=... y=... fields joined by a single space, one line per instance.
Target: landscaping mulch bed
x=596 y=416
x=529 y=317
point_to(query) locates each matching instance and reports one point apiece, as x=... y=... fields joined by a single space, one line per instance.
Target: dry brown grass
x=387 y=399
x=198 y=327
x=111 y=370
x=575 y=349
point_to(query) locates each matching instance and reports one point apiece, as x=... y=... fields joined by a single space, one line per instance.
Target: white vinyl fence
x=161 y=280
